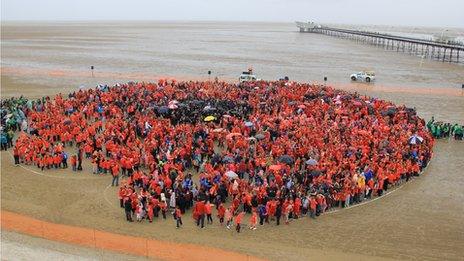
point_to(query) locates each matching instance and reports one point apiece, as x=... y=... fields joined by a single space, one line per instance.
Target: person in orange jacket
x=57 y=160
x=238 y=221
x=115 y=173
x=253 y=220
x=228 y=216
x=74 y=162
x=50 y=161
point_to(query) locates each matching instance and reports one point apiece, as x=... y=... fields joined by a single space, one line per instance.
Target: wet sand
x=71 y=80
x=141 y=50
x=420 y=221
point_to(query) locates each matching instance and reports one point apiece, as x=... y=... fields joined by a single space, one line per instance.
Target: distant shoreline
x=134 y=21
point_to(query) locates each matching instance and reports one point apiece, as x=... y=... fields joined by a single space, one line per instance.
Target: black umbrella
x=346 y=97
x=197 y=102
x=390 y=111
x=228 y=159
x=163 y=109
x=215 y=159
x=411 y=111
x=310 y=96
x=315 y=173
x=370 y=109
x=287 y=159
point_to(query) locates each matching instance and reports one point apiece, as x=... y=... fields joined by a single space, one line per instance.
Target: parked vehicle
x=363 y=76
x=247 y=76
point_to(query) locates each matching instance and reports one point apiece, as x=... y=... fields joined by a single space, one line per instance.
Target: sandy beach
x=19 y=246
x=423 y=220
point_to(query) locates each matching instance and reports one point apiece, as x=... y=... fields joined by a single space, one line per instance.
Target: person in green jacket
x=446 y=130
x=433 y=130
x=439 y=131
x=430 y=124
x=458 y=132
x=9 y=138
x=3 y=141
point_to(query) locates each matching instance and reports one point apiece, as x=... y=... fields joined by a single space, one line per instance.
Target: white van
x=247 y=77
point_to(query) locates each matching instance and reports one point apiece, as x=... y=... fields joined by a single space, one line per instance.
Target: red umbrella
x=275 y=167
x=233 y=134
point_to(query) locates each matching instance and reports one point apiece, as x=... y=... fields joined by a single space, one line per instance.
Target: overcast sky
x=384 y=12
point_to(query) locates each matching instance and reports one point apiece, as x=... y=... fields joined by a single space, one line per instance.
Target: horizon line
x=89 y=21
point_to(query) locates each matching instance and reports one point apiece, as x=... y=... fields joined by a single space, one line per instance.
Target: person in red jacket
x=200 y=210
x=150 y=211
x=297 y=208
x=208 y=211
x=370 y=185
x=178 y=215
x=16 y=155
x=312 y=207
x=164 y=208
x=121 y=195
x=221 y=213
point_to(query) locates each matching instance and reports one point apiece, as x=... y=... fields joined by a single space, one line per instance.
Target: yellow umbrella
x=210 y=118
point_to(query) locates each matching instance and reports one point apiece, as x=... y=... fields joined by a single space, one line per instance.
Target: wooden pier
x=443 y=52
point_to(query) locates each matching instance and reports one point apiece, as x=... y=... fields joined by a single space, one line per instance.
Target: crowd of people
x=270 y=151
x=440 y=130
x=12 y=119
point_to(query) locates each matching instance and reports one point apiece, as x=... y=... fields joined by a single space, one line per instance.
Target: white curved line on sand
x=363 y=203
x=68 y=177
x=374 y=199
x=106 y=199
x=53 y=176
x=325 y=213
